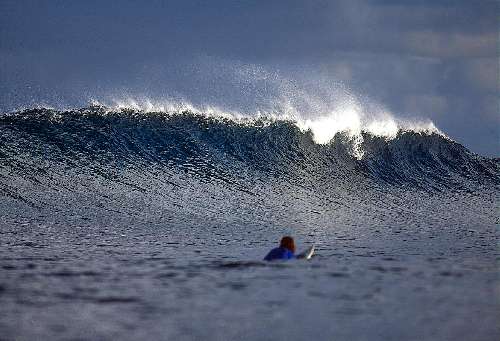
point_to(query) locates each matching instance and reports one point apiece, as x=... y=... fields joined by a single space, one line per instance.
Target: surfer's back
x=279 y=253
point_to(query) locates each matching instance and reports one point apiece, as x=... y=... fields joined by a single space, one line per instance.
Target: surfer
x=286 y=250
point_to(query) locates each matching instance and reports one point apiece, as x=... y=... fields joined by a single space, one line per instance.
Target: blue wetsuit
x=279 y=253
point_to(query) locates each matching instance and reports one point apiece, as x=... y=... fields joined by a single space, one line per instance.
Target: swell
x=42 y=143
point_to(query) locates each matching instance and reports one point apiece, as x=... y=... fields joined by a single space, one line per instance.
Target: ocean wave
x=219 y=146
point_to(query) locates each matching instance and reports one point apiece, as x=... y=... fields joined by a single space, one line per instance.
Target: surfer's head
x=288 y=243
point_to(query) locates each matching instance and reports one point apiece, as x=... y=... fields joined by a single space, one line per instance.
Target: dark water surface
x=131 y=226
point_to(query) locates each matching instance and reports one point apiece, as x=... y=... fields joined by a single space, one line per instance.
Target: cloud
x=483 y=74
x=449 y=45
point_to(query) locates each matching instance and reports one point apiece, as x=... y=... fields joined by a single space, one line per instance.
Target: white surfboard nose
x=307 y=254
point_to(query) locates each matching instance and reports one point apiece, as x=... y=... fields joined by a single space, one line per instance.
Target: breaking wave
x=235 y=148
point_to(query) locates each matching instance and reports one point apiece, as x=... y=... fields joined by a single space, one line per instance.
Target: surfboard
x=307 y=254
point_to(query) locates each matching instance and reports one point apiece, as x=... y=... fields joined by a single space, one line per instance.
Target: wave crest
x=349 y=118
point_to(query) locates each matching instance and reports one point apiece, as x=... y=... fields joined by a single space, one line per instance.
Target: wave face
x=96 y=158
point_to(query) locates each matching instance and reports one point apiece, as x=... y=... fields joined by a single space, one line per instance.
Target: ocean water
x=126 y=225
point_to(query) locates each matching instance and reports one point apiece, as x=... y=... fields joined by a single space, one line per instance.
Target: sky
x=418 y=59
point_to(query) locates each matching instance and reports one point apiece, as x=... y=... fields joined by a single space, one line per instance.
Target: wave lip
x=349 y=118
